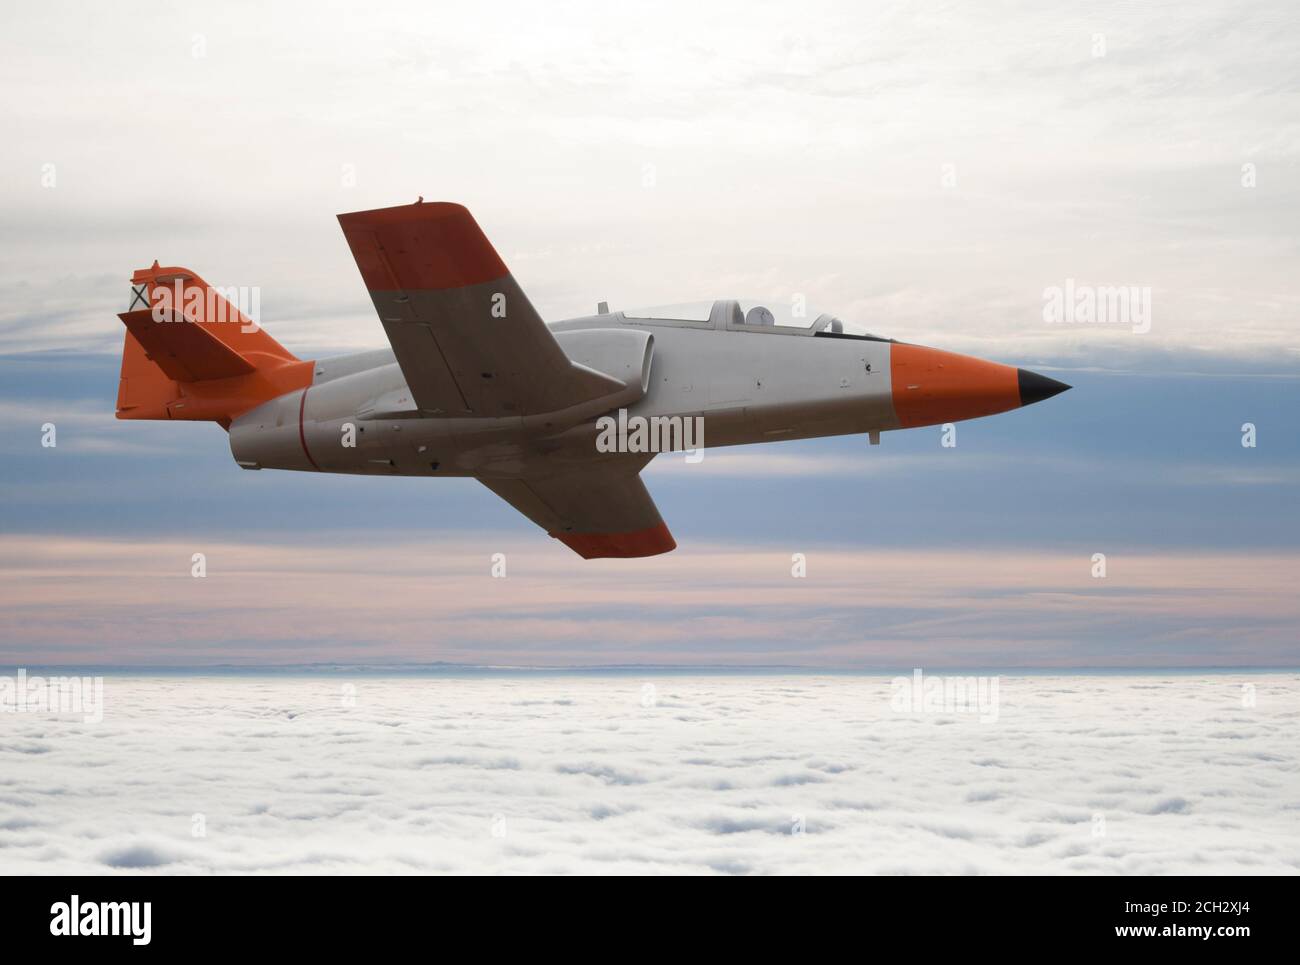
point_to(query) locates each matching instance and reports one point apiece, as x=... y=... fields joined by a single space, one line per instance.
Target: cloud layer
x=925 y=170
x=646 y=774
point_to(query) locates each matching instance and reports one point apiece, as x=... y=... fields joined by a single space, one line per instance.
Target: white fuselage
x=746 y=384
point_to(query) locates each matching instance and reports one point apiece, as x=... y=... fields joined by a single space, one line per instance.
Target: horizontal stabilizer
x=186 y=351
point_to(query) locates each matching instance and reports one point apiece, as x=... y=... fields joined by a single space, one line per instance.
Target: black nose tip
x=1036 y=388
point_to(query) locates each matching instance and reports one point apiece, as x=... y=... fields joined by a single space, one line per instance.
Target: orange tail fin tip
x=190 y=354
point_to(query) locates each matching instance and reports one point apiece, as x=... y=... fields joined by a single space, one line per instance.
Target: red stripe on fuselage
x=302 y=435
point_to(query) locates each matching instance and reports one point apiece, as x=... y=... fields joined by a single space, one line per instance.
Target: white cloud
x=708 y=779
x=794 y=149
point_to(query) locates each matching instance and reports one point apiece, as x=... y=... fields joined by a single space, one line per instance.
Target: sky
x=926 y=170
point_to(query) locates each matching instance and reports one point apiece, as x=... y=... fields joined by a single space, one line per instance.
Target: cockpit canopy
x=775 y=315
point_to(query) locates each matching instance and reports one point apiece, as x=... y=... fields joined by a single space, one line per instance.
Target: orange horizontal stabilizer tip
x=185 y=352
x=931 y=386
x=420 y=247
x=642 y=542
x=192 y=355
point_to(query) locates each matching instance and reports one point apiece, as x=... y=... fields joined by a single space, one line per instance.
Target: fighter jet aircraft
x=558 y=420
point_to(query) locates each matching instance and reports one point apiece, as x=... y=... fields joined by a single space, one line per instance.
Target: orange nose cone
x=931 y=387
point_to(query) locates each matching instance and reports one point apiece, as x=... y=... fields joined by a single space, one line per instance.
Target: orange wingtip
x=430 y=245
x=642 y=542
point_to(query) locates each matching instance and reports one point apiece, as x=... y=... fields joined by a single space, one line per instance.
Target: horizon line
x=333 y=668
